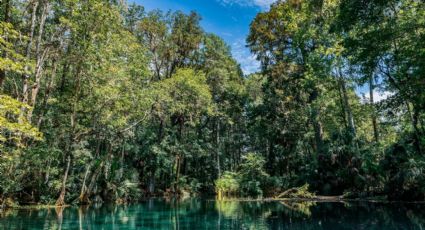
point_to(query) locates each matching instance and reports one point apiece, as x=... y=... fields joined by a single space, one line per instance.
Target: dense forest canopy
x=103 y=101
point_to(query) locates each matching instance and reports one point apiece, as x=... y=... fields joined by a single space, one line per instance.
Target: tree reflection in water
x=212 y=214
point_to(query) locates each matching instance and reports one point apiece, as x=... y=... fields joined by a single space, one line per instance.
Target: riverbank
x=318 y=199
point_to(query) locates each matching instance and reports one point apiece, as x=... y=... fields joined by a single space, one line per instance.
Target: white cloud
x=248 y=61
x=264 y=4
x=378 y=96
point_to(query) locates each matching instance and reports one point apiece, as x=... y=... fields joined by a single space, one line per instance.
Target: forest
x=104 y=101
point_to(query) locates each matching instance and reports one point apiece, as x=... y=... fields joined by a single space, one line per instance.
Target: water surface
x=212 y=214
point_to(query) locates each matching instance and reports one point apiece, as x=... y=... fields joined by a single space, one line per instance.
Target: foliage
x=13 y=124
x=249 y=180
x=228 y=184
x=10 y=59
x=300 y=192
x=253 y=174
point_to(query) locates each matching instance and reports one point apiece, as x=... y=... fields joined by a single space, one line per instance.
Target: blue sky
x=228 y=19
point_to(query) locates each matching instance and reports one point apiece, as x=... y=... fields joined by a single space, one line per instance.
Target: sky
x=229 y=19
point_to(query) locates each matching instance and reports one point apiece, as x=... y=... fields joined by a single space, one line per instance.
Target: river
x=212 y=214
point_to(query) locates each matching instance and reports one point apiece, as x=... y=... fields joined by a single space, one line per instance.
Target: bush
x=189 y=185
x=405 y=170
x=253 y=175
x=228 y=184
x=250 y=180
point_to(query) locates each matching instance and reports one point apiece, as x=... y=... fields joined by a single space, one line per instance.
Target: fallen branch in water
x=299 y=192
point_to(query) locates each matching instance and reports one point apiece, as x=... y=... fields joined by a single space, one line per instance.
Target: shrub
x=250 y=180
x=227 y=184
x=253 y=175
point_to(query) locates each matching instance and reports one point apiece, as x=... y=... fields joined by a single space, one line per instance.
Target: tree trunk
x=179 y=157
x=6 y=10
x=47 y=95
x=317 y=126
x=121 y=170
x=46 y=178
x=151 y=187
x=341 y=100
x=2 y=77
x=416 y=132
x=40 y=60
x=61 y=200
x=28 y=52
x=85 y=194
x=271 y=156
x=347 y=107
x=84 y=187
x=218 y=148
x=417 y=135
x=372 y=104
x=176 y=183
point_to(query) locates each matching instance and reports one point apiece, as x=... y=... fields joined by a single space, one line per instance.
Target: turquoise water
x=212 y=214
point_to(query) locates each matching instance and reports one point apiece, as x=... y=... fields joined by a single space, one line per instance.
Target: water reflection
x=212 y=214
x=301 y=207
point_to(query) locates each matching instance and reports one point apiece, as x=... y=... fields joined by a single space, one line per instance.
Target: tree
x=187 y=97
x=375 y=43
